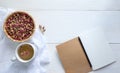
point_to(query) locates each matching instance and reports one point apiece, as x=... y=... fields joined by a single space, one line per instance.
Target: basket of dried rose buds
x=19 y=26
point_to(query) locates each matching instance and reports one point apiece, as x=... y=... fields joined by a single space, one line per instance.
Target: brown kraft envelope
x=73 y=57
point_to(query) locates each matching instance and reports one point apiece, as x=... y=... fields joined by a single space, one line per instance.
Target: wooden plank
x=53 y=67
x=64 y=25
x=62 y=4
x=56 y=65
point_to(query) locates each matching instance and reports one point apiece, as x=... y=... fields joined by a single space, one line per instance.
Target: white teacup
x=18 y=54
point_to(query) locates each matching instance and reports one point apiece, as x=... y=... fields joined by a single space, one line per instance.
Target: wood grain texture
x=64 y=25
x=65 y=19
x=56 y=65
x=62 y=4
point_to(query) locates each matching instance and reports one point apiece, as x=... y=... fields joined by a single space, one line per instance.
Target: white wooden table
x=65 y=19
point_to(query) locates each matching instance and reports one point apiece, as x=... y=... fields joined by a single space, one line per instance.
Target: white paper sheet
x=97 y=48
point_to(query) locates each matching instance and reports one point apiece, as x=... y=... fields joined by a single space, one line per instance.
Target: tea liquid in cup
x=25 y=52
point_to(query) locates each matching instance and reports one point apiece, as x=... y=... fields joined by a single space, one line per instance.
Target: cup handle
x=13 y=59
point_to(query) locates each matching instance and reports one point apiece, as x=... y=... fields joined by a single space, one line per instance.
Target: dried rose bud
x=19 y=26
